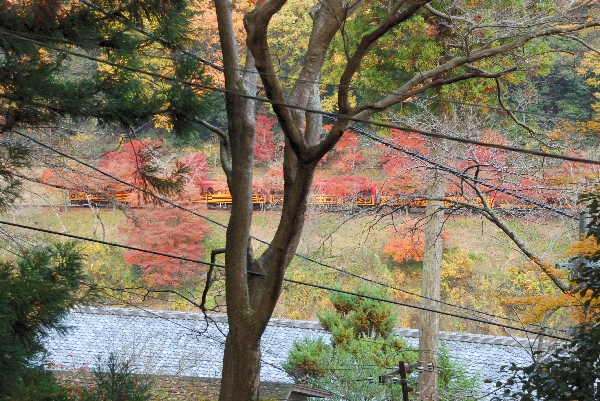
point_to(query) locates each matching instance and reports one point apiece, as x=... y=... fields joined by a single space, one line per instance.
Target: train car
x=449 y=201
x=368 y=197
x=77 y=198
x=275 y=197
x=325 y=193
x=401 y=201
x=319 y=195
x=215 y=194
x=335 y=194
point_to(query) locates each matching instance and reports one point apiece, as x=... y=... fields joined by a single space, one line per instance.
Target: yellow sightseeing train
x=215 y=194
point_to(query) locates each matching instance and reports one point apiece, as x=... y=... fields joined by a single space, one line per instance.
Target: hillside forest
x=482 y=270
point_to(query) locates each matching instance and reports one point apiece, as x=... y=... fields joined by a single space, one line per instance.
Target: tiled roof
x=179 y=343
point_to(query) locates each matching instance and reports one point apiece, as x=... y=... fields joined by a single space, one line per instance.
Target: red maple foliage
x=486 y=162
x=407 y=140
x=127 y=163
x=571 y=173
x=69 y=177
x=168 y=230
x=407 y=243
x=529 y=187
x=348 y=186
x=348 y=152
x=124 y=164
x=264 y=147
x=402 y=175
x=405 y=247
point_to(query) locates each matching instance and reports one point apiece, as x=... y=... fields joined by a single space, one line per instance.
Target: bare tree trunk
x=429 y=325
x=241 y=363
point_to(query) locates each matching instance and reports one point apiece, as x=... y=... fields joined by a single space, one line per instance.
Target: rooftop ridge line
x=301 y=324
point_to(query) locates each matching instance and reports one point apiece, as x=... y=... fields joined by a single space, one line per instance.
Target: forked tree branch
x=224 y=145
x=422 y=80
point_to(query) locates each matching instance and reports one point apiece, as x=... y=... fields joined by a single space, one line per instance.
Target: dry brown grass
x=352 y=242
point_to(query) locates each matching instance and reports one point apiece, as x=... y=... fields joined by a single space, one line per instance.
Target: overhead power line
x=176 y=205
x=132 y=248
x=296 y=282
x=314 y=111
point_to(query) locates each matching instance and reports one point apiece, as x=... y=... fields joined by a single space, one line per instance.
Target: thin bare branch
x=510 y=113
x=581 y=42
x=443 y=15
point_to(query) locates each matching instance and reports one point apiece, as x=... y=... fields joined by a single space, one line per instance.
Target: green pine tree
x=362 y=348
x=37 y=290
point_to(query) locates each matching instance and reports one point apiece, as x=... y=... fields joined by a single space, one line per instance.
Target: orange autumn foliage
x=407 y=243
x=348 y=186
x=405 y=246
x=348 y=152
x=586 y=246
x=264 y=148
x=403 y=249
x=401 y=170
x=535 y=309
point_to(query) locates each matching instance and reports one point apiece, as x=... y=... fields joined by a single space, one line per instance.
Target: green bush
x=116 y=381
x=363 y=348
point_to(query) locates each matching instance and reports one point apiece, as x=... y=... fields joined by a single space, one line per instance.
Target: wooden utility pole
x=403 y=382
x=402 y=370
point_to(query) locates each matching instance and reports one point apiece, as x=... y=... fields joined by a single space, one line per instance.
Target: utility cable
x=131 y=248
x=331 y=289
x=394 y=288
x=321 y=83
x=255 y=238
x=316 y=111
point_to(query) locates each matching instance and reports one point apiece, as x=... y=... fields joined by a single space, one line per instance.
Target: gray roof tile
x=180 y=343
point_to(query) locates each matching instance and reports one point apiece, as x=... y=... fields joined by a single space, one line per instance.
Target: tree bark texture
x=429 y=324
